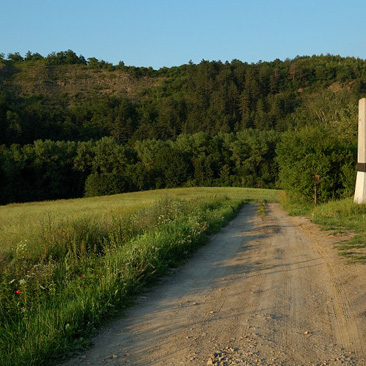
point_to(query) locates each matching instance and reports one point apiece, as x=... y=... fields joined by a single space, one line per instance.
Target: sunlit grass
x=337 y=217
x=293 y=206
x=345 y=216
x=66 y=265
x=24 y=221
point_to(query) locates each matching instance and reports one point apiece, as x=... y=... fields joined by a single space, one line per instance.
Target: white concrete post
x=360 y=191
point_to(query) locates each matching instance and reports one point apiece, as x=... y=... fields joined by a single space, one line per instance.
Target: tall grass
x=345 y=215
x=72 y=270
x=25 y=221
x=294 y=206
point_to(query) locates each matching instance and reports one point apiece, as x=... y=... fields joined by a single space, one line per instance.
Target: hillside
x=81 y=99
x=70 y=126
x=73 y=81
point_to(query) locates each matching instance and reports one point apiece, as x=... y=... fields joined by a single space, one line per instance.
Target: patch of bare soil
x=267 y=290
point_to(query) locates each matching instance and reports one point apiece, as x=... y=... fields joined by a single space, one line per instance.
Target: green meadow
x=67 y=265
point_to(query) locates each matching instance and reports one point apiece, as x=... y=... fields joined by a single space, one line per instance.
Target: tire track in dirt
x=264 y=291
x=345 y=325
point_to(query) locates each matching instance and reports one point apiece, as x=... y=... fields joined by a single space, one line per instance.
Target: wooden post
x=316 y=181
x=315 y=198
x=360 y=190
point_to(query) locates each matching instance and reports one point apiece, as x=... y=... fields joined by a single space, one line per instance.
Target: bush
x=104 y=184
x=316 y=151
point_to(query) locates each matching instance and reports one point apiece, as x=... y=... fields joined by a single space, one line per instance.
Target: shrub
x=316 y=151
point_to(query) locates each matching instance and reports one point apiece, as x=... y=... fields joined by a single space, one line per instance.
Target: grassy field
x=66 y=265
x=29 y=220
x=342 y=216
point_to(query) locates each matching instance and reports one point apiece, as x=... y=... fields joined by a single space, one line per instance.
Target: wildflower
x=81 y=276
x=73 y=276
x=17 y=292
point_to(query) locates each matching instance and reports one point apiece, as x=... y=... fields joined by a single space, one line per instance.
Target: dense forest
x=71 y=126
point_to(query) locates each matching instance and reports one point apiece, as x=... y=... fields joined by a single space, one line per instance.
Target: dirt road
x=267 y=290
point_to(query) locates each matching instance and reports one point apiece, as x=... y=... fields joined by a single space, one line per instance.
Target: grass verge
x=338 y=217
x=68 y=273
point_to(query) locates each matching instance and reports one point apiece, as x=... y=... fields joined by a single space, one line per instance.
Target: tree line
x=250 y=158
x=269 y=124
x=211 y=97
x=64 y=169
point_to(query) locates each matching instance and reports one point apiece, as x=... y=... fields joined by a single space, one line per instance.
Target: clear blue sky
x=168 y=33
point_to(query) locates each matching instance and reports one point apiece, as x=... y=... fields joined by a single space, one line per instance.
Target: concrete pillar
x=360 y=191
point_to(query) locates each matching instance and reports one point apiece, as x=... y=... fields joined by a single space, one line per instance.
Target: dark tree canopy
x=212 y=123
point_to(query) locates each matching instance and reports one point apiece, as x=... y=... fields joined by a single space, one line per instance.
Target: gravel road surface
x=266 y=290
